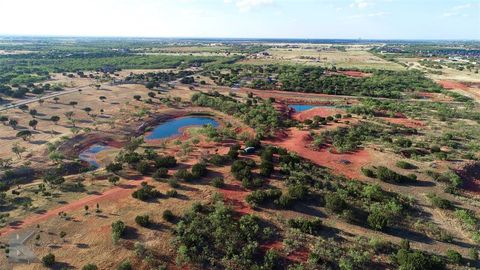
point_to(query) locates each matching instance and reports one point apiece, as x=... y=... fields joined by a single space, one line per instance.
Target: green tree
x=33 y=124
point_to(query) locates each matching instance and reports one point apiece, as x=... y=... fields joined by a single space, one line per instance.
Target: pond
x=89 y=155
x=305 y=107
x=174 y=127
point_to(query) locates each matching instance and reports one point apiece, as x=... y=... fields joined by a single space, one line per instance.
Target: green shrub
x=454 y=257
x=312 y=227
x=118 y=229
x=415 y=260
x=387 y=175
x=125 y=265
x=146 y=192
x=439 y=202
x=168 y=216
x=143 y=167
x=368 y=172
x=218 y=182
x=48 y=260
x=90 y=266
x=259 y=197
x=473 y=254
x=143 y=220
x=172 y=193
x=165 y=161
x=199 y=170
x=160 y=173
x=183 y=174
x=335 y=203
x=405 y=165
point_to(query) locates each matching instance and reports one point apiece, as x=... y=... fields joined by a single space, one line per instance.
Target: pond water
x=89 y=155
x=174 y=127
x=305 y=107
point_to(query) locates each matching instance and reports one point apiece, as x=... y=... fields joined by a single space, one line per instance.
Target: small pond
x=89 y=155
x=305 y=107
x=174 y=127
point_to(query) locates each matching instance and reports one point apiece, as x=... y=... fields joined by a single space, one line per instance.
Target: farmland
x=300 y=155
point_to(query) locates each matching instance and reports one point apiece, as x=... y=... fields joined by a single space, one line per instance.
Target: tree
x=33 y=123
x=33 y=112
x=87 y=110
x=151 y=94
x=56 y=99
x=24 y=134
x=118 y=229
x=3 y=119
x=102 y=98
x=55 y=119
x=73 y=103
x=62 y=235
x=137 y=97
x=56 y=156
x=18 y=150
x=48 y=260
x=13 y=123
x=113 y=179
x=41 y=101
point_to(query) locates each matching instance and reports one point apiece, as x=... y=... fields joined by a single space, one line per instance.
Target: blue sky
x=367 y=19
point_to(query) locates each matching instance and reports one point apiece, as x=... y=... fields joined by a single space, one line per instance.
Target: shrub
x=368 y=172
x=48 y=260
x=266 y=168
x=160 y=173
x=312 y=227
x=473 y=254
x=90 y=266
x=334 y=203
x=259 y=197
x=118 y=229
x=199 y=170
x=125 y=265
x=233 y=151
x=143 y=220
x=172 y=193
x=173 y=183
x=183 y=174
x=166 y=161
x=168 y=216
x=439 y=202
x=377 y=220
x=387 y=175
x=454 y=257
x=405 y=165
x=241 y=170
x=219 y=160
x=146 y=193
x=143 y=167
x=415 y=260
x=218 y=182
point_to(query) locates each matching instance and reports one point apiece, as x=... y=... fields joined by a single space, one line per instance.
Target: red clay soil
x=404 y=122
x=347 y=164
x=234 y=195
x=322 y=112
x=452 y=85
x=299 y=256
x=113 y=194
x=470 y=174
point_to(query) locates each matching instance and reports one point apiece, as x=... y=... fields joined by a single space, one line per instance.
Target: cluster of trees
x=154 y=79
x=211 y=236
x=258 y=114
x=385 y=174
x=382 y=83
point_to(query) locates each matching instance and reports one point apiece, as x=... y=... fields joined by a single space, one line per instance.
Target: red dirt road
x=453 y=85
x=113 y=194
x=348 y=164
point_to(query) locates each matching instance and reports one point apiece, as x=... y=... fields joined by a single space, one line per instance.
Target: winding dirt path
x=118 y=192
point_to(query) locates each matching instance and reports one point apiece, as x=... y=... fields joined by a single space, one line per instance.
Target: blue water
x=302 y=107
x=88 y=155
x=173 y=127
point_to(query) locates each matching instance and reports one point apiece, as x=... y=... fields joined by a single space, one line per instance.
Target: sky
x=311 y=19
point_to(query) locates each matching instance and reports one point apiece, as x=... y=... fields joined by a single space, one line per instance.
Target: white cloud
x=460 y=7
x=458 y=11
x=247 y=5
x=361 y=4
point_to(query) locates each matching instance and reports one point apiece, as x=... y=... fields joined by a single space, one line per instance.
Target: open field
x=356 y=58
x=384 y=168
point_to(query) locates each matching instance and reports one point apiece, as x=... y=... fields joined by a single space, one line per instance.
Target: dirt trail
x=124 y=189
